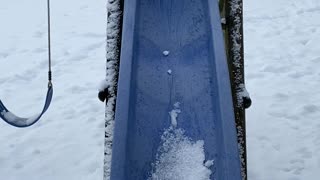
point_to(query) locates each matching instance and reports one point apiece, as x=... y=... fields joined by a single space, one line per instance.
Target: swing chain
x=49 y=45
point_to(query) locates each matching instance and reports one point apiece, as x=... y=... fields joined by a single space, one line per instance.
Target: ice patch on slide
x=178 y=156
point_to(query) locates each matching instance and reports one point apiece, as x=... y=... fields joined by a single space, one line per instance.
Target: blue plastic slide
x=174 y=98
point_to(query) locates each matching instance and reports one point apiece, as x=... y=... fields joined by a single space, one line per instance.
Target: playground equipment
x=20 y=122
x=173 y=52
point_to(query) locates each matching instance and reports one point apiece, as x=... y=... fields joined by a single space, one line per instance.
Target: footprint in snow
x=296 y=75
x=304 y=41
x=310 y=109
x=305 y=153
x=281 y=97
x=77 y=89
x=276 y=70
x=296 y=166
x=18 y=166
x=79 y=57
x=36 y=152
x=4 y=55
x=38 y=34
x=93 y=35
x=95 y=46
x=40 y=50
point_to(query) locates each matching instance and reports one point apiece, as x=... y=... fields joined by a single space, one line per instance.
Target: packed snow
x=174 y=113
x=12 y=118
x=103 y=85
x=112 y=67
x=179 y=157
x=242 y=93
x=165 y=53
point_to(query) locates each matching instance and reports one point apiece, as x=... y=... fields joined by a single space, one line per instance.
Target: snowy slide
x=174 y=113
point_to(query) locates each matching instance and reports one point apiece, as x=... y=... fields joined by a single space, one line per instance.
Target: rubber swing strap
x=16 y=121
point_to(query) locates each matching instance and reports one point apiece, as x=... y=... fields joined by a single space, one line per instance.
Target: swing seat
x=20 y=122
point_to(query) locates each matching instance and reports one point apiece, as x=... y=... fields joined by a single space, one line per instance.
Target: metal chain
x=49 y=45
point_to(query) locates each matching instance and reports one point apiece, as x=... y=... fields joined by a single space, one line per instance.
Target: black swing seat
x=16 y=121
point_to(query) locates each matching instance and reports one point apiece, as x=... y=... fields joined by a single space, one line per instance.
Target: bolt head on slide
x=104 y=95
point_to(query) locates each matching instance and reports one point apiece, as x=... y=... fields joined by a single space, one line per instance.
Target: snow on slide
x=178 y=156
x=174 y=114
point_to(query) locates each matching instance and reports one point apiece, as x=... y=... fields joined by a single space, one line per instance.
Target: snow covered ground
x=282 y=58
x=282 y=54
x=68 y=142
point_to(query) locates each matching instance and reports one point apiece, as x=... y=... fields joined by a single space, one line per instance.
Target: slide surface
x=174 y=111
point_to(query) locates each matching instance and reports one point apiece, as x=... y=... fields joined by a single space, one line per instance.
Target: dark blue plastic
x=191 y=31
x=25 y=122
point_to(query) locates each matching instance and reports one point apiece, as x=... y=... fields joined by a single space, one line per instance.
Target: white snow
x=103 y=85
x=241 y=93
x=180 y=158
x=18 y=120
x=165 y=53
x=236 y=37
x=223 y=21
x=112 y=66
x=282 y=57
x=176 y=105
x=68 y=142
x=209 y=163
x=174 y=114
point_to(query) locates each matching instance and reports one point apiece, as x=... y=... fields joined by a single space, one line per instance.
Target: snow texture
x=282 y=60
x=236 y=39
x=165 y=53
x=103 y=85
x=174 y=114
x=223 y=21
x=209 y=163
x=236 y=48
x=242 y=93
x=180 y=158
x=112 y=67
x=18 y=120
x=68 y=142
